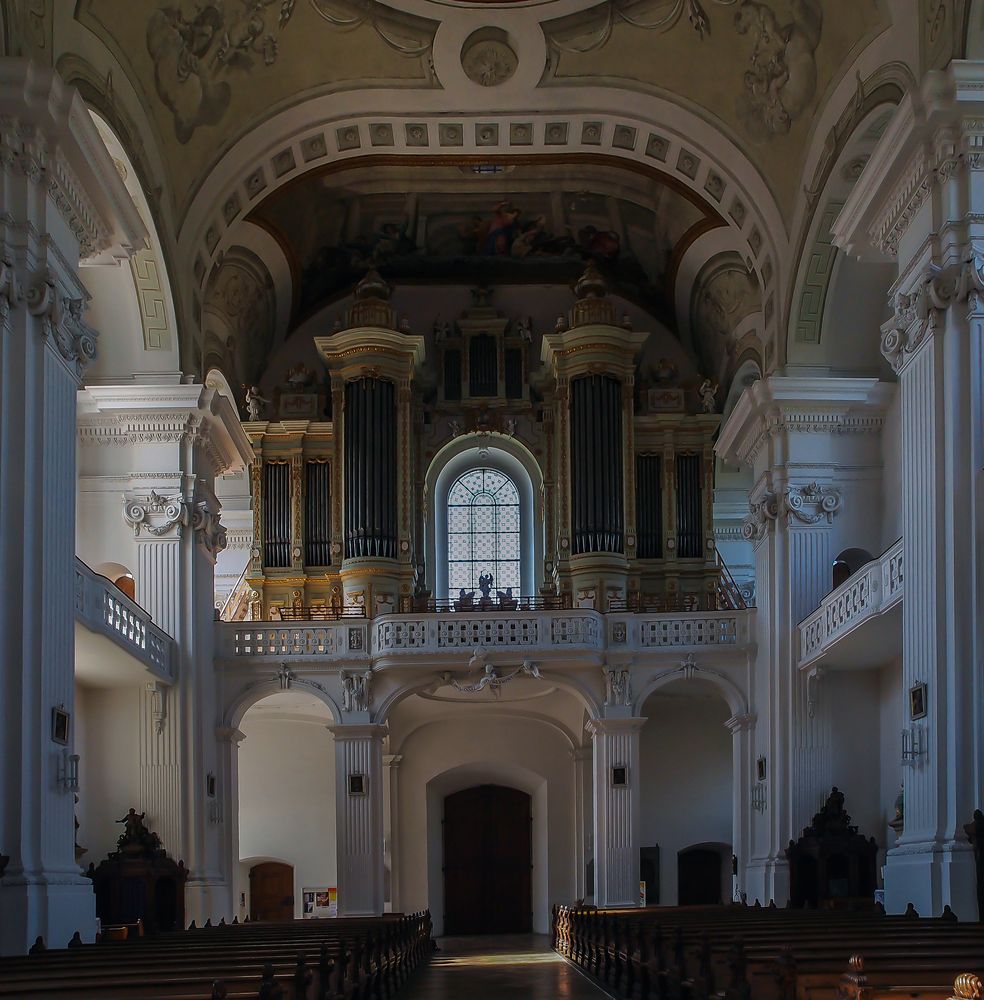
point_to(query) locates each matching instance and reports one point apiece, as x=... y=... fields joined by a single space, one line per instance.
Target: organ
x=623 y=518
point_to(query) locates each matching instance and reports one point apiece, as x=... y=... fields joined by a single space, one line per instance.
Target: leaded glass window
x=483 y=533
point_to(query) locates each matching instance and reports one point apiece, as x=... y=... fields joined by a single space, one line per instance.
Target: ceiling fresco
x=450 y=225
x=211 y=69
x=772 y=60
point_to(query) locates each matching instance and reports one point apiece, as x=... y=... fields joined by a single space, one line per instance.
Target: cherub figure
x=255 y=403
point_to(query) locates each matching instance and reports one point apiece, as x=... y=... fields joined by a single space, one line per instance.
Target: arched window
x=483 y=532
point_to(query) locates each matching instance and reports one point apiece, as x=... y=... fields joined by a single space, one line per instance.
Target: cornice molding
x=48 y=136
x=783 y=404
x=171 y=413
x=934 y=133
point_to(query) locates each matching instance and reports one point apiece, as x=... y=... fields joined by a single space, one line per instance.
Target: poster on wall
x=320 y=902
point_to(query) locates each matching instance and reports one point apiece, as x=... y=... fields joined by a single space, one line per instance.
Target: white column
x=359 y=818
x=616 y=810
x=392 y=762
x=812 y=446
x=942 y=383
x=581 y=758
x=178 y=436
x=741 y=728
x=227 y=802
x=920 y=201
x=62 y=200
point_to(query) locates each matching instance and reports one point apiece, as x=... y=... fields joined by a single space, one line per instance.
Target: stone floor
x=514 y=967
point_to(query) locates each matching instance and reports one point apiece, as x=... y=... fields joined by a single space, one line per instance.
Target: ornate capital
x=156 y=514
x=209 y=531
x=11 y=292
x=62 y=324
x=762 y=515
x=742 y=723
x=920 y=312
x=810 y=504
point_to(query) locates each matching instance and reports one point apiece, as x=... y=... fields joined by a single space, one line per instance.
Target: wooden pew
x=347 y=959
x=735 y=952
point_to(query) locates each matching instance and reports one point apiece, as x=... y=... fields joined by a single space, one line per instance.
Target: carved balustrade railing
x=871 y=591
x=102 y=607
x=427 y=634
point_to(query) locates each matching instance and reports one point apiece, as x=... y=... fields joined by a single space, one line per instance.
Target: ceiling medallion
x=487 y=57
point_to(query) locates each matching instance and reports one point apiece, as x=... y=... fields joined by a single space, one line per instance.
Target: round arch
x=590 y=699
x=736 y=699
x=493 y=451
x=265 y=159
x=253 y=693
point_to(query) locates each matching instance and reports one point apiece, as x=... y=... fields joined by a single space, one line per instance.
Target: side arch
x=736 y=699
x=256 y=691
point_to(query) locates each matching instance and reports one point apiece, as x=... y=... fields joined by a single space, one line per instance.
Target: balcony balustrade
x=102 y=607
x=870 y=592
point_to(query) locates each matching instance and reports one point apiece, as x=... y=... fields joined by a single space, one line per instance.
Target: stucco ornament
x=762 y=514
x=618 y=686
x=155 y=513
x=810 y=504
x=488 y=62
x=356 y=691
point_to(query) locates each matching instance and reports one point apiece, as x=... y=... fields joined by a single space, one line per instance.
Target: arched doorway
x=271 y=891
x=700 y=877
x=487 y=861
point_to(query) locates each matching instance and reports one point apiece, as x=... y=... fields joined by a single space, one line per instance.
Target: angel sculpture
x=485 y=585
x=255 y=403
x=708 y=395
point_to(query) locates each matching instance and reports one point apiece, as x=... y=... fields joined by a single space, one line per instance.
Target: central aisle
x=513 y=967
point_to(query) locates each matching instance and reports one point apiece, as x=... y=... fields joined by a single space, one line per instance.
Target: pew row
x=346 y=959
x=763 y=953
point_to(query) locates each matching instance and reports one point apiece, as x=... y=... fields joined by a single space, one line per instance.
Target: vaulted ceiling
x=685 y=144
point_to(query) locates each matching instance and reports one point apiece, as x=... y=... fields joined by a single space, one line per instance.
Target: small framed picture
x=620 y=776
x=60 y=720
x=917 y=701
x=357 y=784
x=760 y=769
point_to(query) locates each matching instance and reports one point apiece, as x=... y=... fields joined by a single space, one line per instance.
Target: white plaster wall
x=448 y=755
x=106 y=734
x=890 y=712
x=891 y=438
x=852 y=699
x=685 y=782
x=287 y=800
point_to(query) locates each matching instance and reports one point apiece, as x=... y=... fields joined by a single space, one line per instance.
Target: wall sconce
x=68 y=771
x=913 y=746
x=760 y=801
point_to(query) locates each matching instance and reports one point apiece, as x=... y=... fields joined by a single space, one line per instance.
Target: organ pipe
x=649 y=506
x=317 y=514
x=596 y=465
x=276 y=514
x=370 y=469
x=690 y=542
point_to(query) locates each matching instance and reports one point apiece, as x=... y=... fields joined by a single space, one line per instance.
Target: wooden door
x=698 y=877
x=271 y=891
x=488 y=861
